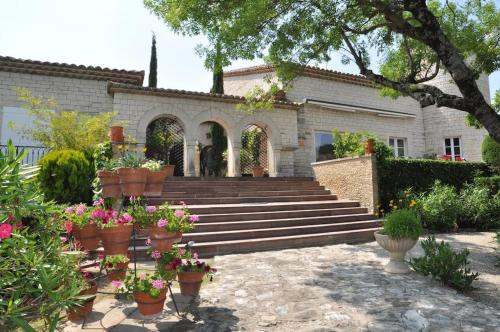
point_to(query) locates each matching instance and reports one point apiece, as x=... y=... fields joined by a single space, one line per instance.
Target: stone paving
x=332 y=288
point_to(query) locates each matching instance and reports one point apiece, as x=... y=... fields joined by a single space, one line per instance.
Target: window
x=323 y=145
x=452 y=148
x=398 y=144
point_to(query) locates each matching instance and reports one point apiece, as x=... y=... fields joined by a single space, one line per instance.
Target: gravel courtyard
x=332 y=288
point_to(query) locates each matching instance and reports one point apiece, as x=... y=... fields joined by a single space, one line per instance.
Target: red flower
x=69 y=226
x=5 y=231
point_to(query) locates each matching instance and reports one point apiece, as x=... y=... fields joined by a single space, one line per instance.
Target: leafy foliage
x=491 y=153
x=350 y=144
x=445 y=265
x=250 y=146
x=61 y=129
x=66 y=177
x=440 y=207
x=480 y=208
x=402 y=224
x=492 y=182
x=162 y=136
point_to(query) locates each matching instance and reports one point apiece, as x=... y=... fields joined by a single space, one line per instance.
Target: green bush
x=492 y=182
x=445 y=265
x=66 y=177
x=480 y=208
x=490 y=150
x=402 y=224
x=439 y=208
x=397 y=175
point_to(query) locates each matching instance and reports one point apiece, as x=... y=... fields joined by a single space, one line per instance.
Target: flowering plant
x=152 y=284
x=405 y=200
x=188 y=262
x=87 y=281
x=175 y=220
x=79 y=215
x=144 y=216
x=153 y=165
x=109 y=262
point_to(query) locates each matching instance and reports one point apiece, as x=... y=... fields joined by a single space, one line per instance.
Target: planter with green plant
x=169 y=226
x=115 y=133
x=156 y=176
x=115 y=266
x=144 y=216
x=133 y=177
x=87 y=295
x=190 y=272
x=110 y=181
x=115 y=230
x=400 y=233
x=78 y=221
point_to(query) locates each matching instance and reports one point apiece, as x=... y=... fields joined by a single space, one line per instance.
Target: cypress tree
x=218 y=75
x=153 y=65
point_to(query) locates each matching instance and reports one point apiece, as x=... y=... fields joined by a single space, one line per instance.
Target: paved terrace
x=331 y=288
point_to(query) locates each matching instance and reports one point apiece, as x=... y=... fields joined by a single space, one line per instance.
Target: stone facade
x=350 y=178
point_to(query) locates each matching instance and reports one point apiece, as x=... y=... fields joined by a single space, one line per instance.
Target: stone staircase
x=253 y=214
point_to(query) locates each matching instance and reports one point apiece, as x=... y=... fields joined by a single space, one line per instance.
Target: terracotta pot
x=133 y=180
x=118 y=272
x=80 y=312
x=142 y=232
x=190 y=282
x=115 y=240
x=169 y=169
x=370 y=146
x=155 y=182
x=115 y=134
x=162 y=240
x=110 y=182
x=258 y=171
x=88 y=236
x=148 y=305
x=397 y=249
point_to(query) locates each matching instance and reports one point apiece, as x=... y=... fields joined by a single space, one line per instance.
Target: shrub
x=402 y=224
x=490 y=150
x=445 y=265
x=66 y=176
x=492 y=182
x=439 y=208
x=347 y=144
x=397 y=175
x=480 y=208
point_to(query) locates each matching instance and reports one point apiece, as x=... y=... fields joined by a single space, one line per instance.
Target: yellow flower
x=126 y=147
x=120 y=147
x=413 y=203
x=391 y=201
x=144 y=149
x=394 y=207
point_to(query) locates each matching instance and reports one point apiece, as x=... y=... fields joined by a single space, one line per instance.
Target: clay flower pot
x=142 y=232
x=397 y=249
x=163 y=240
x=118 y=272
x=110 y=182
x=80 y=312
x=115 y=134
x=133 y=180
x=257 y=171
x=370 y=146
x=190 y=282
x=116 y=239
x=169 y=169
x=88 y=236
x=155 y=182
x=148 y=305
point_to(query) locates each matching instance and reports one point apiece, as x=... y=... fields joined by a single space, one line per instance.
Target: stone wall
x=350 y=178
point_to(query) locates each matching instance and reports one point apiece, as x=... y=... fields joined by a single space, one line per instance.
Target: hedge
x=490 y=150
x=397 y=175
x=492 y=182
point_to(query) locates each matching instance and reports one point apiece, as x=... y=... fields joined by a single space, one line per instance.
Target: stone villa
x=297 y=128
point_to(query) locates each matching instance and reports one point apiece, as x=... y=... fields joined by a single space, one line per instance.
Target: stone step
x=217 y=189
x=236 y=186
x=237 y=200
x=205 y=194
x=239 y=179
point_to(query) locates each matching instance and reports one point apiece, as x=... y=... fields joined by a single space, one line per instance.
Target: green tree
x=218 y=73
x=415 y=40
x=153 y=65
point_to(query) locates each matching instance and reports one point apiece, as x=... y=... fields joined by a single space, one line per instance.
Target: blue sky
x=111 y=33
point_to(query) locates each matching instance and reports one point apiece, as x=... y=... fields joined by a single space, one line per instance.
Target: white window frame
x=451 y=138
x=395 y=147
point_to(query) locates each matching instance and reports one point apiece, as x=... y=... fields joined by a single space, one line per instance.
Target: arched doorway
x=254 y=149
x=212 y=146
x=165 y=141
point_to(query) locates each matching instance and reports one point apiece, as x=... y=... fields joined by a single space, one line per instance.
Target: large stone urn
x=397 y=249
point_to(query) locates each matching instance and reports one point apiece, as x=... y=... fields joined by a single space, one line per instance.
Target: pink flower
x=162 y=223
x=158 y=284
x=179 y=213
x=148 y=241
x=126 y=218
x=99 y=202
x=69 y=226
x=150 y=209
x=116 y=283
x=98 y=214
x=195 y=256
x=69 y=210
x=80 y=209
x=156 y=254
x=142 y=276
x=114 y=214
x=5 y=231
x=63 y=239
x=194 y=218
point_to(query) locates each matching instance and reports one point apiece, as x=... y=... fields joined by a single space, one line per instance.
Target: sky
x=113 y=34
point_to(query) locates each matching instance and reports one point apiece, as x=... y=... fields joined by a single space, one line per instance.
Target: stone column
x=233 y=159
x=189 y=158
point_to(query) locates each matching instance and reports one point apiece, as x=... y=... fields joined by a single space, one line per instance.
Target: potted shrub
x=110 y=181
x=115 y=266
x=190 y=272
x=115 y=230
x=251 y=142
x=370 y=146
x=87 y=297
x=80 y=224
x=133 y=177
x=400 y=233
x=115 y=133
x=156 y=177
x=169 y=226
x=149 y=291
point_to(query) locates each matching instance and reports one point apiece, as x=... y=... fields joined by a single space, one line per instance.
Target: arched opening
x=165 y=141
x=254 y=150
x=213 y=149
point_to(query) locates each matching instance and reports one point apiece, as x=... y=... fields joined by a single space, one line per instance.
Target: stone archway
x=213 y=149
x=254 y=148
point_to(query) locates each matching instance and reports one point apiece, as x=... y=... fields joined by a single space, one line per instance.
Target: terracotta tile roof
x=308 y=71
x=114 y=87
x=15 y=65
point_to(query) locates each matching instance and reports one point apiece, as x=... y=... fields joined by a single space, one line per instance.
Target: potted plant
x=110 y=181
x=156 y=177
x=115 y=133
x=144 y=216
x=167 y=262
x=252 y=142
x=400 y=233
x=370 y=146
x=169 y=226
x=115 y=230
x=149 y=291
x=115 y=266
x=190 y=272
x=133 y=177
x=78 y=221
x=86 y=298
